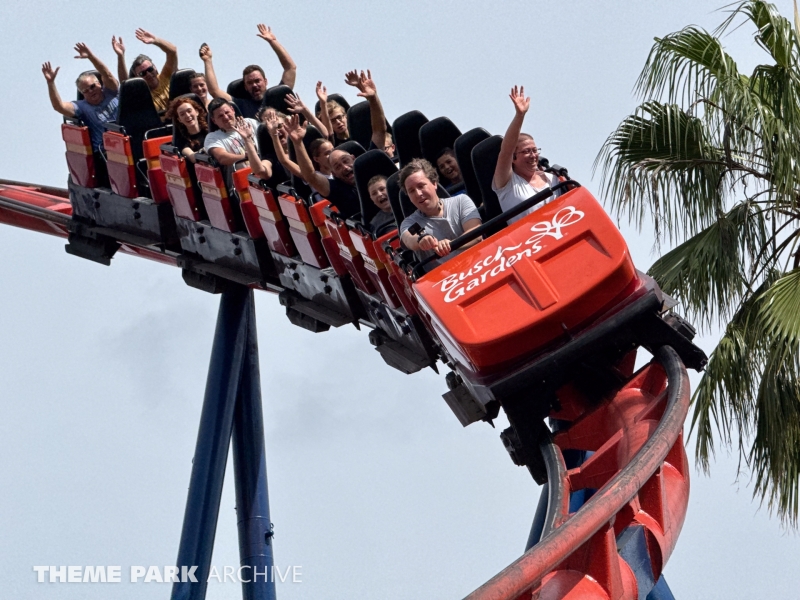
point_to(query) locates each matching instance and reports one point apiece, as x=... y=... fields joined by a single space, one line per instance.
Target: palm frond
x=779 y=314
x=774 y=32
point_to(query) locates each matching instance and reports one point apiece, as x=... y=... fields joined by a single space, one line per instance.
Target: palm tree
x=712 y=156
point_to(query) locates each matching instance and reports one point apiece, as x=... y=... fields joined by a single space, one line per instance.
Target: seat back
x=275 y=227
x=137 y=113
x=484 y=161
x=359 y=123
x=236 y=89
x=353 y=147
x=436 y=135
x=182 y=194
x=80 y=158
x=463 y=148
x=338 y=98
x=121 y=164
x=215 y=194
x=275 y=97
x=248 y=209
x=367 y=166
x=406 y=135
x=156 y=177
x=180 y=83
x=304 y=233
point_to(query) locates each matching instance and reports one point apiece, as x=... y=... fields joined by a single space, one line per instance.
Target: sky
x=375 y=488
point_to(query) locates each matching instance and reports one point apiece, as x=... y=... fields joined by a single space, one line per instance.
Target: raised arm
x=171 y=64
x=211 y=76
x=261 y=167
x=106 y=77
x=367 y=90
x=65 y=108
x=119 y=50
x=324 y=115
x=273 y=125
x=297 y=132
x=298 y=107
x=502 y=172
x=289 y=68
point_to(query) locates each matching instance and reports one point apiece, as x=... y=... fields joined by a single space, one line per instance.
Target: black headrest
x=213 y=127
x=366 y=166
x=359 y=124
x=339 y=100
x=96 y=74
x=179 y=83
x=463 y=149
x=406 y=135
x=436 y=135
x=275 y=97
x=312 y=133
x=236 y=89
x=484 y=161
x=353 y=147
x=137 y=113
x=393 y=190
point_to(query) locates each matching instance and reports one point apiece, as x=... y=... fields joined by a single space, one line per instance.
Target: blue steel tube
x=213 y=440
x=250 y=474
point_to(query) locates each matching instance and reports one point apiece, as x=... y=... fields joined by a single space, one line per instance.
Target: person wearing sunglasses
x=97 y=106
x=517 y=175
x=143 y=67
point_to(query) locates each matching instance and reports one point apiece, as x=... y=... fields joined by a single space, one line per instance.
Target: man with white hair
x=100 y=102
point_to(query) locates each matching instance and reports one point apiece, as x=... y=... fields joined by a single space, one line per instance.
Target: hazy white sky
x=376 y=490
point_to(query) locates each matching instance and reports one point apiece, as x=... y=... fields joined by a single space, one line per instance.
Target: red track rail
x=642 y=471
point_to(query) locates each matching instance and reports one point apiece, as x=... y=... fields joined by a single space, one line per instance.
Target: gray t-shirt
x=455 y=212
x=230 y=141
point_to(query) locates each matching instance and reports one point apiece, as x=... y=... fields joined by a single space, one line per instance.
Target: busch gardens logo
x=456 y=285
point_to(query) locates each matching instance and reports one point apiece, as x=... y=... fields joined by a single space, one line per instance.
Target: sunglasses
x=147 y=71
x=89 y=88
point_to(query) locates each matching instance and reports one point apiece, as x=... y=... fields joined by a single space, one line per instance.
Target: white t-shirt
x=230 y=141
x=518 y=190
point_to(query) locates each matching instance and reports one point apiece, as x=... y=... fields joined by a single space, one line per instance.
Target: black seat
x=137 y=113
x=367 y=166
x=300 y=186
x=484 y=161
x=353 y=147
x=406 y=135
x=339 y=100
x=435 y=136
x=180 y=83
x=236 y=89
x=359 y=123
x=275 y=97
x=463 y=148
x=266 y=149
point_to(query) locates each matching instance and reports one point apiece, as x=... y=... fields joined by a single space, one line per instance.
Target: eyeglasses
x=529 y=151
x=147 y=71
x=337 y=118
x=89 y=88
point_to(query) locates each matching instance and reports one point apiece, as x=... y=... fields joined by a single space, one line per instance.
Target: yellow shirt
x=161 y=93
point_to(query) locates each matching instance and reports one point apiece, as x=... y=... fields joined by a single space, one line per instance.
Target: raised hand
x=366 y=86
x=322 y=93
x=521 y=103
x=294 y=104
x=145 y=36
x=265 y=33
x=351 y=78
x=294 y=129
x=205 y=53
x=272 y=122
x=117 y=45
x=49 y=73
x=83 y=50
x=243 y=128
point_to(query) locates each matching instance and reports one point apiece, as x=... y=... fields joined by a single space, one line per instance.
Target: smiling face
x=323 y=157
x=342 y=166
x=91 y=89
x=422 y=192
x=379 y=196
x=448 y=168
x=149 y=73
x=199 y=87
x=526 y=157
x=224 y=117
x=187 y=116
x=255 y=84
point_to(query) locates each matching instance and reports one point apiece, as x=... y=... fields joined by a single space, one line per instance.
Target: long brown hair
x=202 y=116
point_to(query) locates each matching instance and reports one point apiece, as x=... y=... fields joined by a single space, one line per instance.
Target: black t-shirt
x=344 y=197
x=195 y=141
x=248 y=107
x=382 y=223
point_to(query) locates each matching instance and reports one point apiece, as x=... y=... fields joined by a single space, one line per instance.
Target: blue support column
x=213 y=440
x=250 y=474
